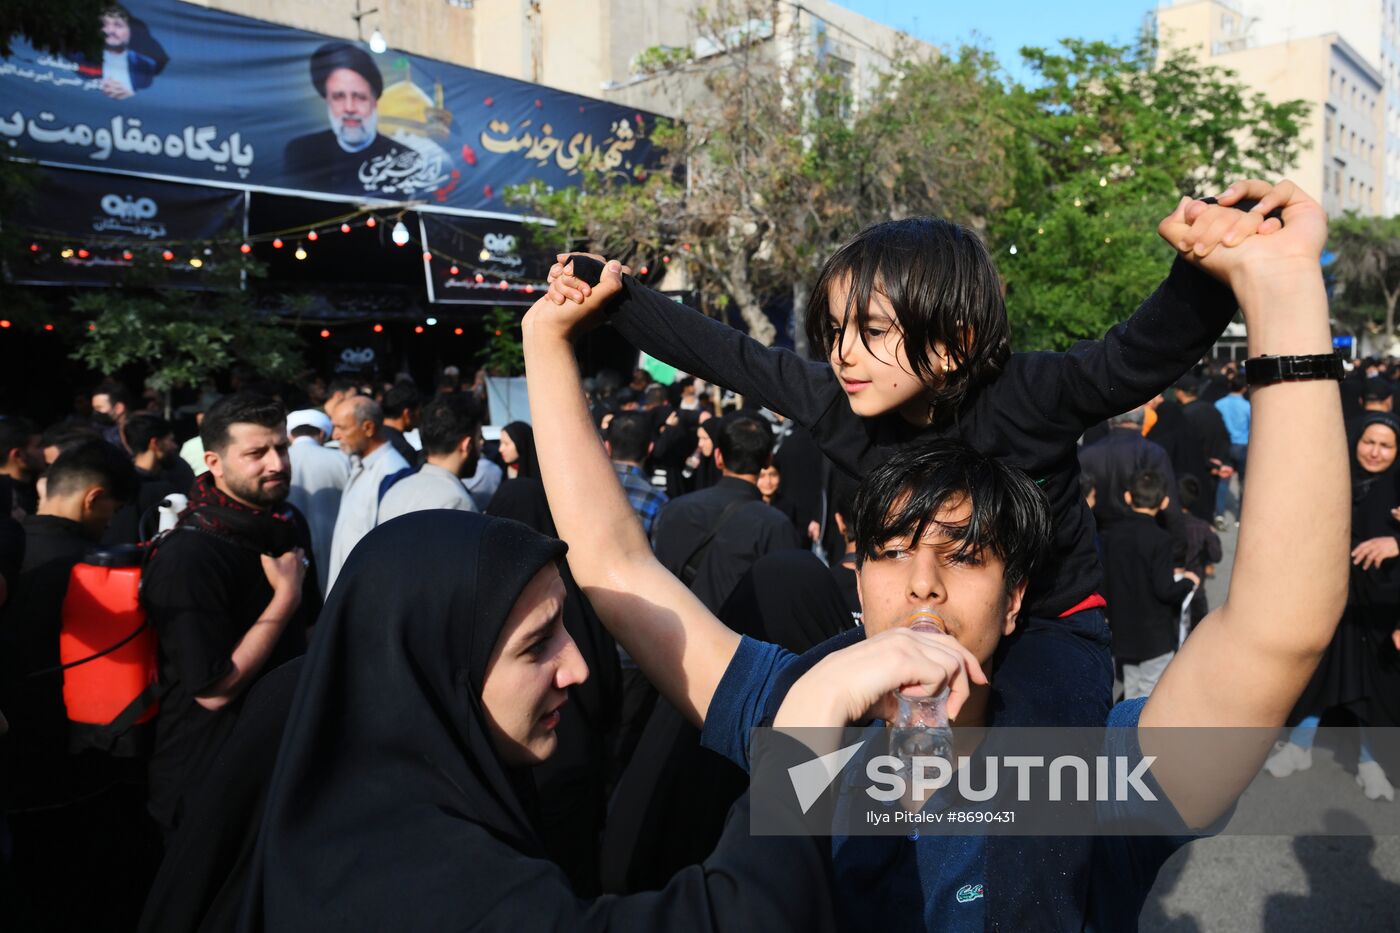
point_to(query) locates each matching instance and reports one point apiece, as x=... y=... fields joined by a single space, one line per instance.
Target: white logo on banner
x=129 y=208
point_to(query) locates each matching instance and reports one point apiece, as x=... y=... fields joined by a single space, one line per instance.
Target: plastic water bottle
x=921 y=728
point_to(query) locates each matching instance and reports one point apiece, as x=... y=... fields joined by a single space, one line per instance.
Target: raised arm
x=775 y=378
x=1168 y=334
x=681 y=647
x=1248 y=661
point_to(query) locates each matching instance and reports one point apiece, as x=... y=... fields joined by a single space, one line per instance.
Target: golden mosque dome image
x=405 y=108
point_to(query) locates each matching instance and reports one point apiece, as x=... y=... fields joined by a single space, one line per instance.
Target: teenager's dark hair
x=140 y=430
x=745 y=441
x=656 y=394
x=446 y=420
x=629 y=435
x=92 y=463
x=901 y=497
x=15 y=431
x=1147 y=489
x=342 y=384
x=943 y=288
x=239 y=408
x=402 y=395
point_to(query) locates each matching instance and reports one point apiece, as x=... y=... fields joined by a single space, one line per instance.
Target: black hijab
x=1373 y=495
x=522 y=435
x=788 y=598
x=670 y=804
x=388 y=792
x=523 y=500
x=389 y=809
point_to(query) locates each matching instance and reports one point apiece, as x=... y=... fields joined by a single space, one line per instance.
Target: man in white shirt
x=358 y=423
x=451 y=429
x=319 y=475
x=483 y=482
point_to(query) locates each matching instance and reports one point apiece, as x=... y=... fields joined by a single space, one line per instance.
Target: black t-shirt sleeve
x=1135 y=360
x=189 y=606
x=777 y=379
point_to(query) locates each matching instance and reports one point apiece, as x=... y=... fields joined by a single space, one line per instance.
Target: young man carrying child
x=940 y=527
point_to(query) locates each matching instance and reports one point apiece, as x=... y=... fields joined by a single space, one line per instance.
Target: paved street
x=1277 y=884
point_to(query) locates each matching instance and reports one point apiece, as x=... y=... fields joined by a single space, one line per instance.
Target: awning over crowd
x=200 y=133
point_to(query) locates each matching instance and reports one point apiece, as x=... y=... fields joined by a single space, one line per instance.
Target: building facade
x=591 y=47
x=1339 y=57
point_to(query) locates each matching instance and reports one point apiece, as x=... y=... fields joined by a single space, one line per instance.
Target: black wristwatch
x=1266 y=370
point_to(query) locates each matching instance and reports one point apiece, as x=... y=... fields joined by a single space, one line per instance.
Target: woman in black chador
x=1361 y=670
x=402 y=797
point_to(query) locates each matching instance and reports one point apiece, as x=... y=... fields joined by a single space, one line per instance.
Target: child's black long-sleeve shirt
x=1031 y=416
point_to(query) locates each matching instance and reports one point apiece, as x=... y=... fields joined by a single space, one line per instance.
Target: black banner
x=88 y=228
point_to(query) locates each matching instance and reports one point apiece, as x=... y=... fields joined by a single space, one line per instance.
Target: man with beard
x=21 y=464
x=347 y=157
x=228 y=592
x=131 y=57
x=150 y=440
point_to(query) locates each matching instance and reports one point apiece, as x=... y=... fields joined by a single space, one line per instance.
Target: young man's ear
x=607 y=445
x=1013 y=608
x=719 y=459
x=1166 y=501
x=1128 y=498
x=90 y=497
x=840 y=523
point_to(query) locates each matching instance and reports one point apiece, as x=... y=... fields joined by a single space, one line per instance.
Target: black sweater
x=1030 y=417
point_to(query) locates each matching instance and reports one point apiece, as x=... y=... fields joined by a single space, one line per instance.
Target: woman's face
x=768 y=480
x=531 y=669
x=1376 y=449
x=703 y=443
x=508 y=452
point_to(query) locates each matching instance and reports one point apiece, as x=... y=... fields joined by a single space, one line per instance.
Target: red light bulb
x=325 y=333
x=246 y=248
x=277 y=243
x=344 y=228
x=313 y=236
x=167 y=255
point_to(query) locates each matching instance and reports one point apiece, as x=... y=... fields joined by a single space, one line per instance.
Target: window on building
x=1327 y=128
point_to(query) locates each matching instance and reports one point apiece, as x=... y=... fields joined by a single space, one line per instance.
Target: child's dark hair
x=1147 y=489
x=1009 y=515
x=943 y=288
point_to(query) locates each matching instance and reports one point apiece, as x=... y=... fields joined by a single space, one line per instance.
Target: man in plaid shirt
x=629 y=443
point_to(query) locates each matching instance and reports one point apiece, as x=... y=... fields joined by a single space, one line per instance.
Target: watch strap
x=1265 y=370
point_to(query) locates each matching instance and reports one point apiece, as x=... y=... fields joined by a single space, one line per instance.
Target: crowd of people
x=382 y=696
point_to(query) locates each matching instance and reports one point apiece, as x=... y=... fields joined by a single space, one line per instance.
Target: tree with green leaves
x=1103 y=147
x=774 y=163
x=1366 y=274
x=182 y=338
x=504 y=353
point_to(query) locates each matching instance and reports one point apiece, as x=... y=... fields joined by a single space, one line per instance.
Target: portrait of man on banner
x=353 y=156
x=131 y=56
